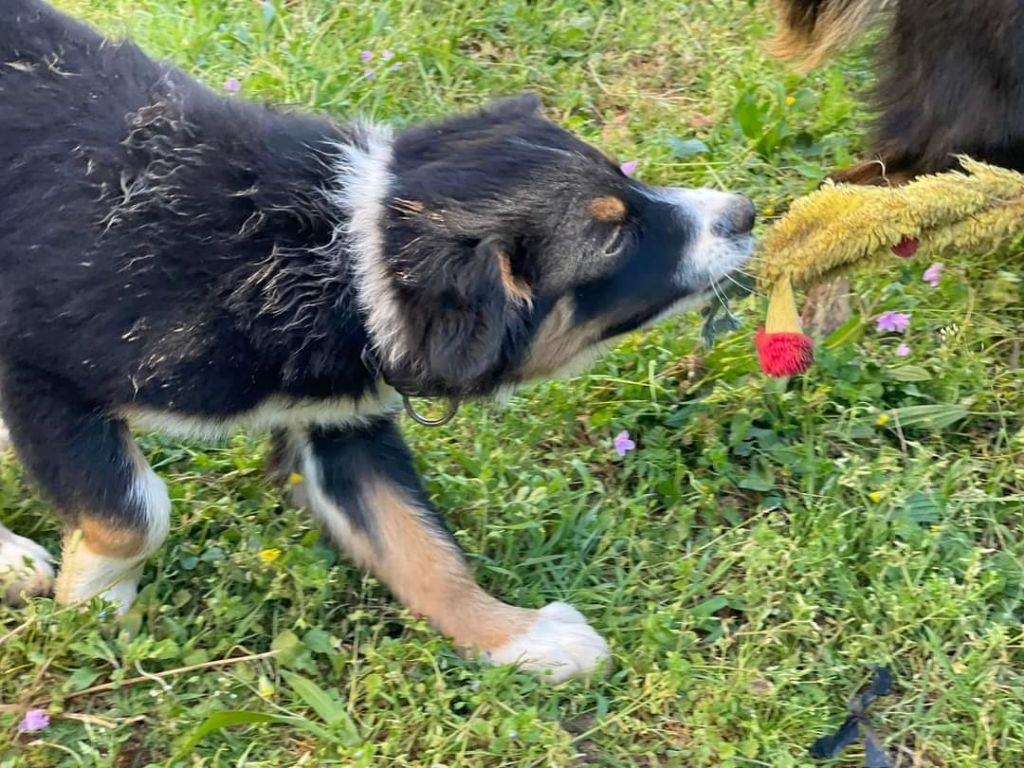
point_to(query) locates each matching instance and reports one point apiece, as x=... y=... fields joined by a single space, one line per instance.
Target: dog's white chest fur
x=276 y=412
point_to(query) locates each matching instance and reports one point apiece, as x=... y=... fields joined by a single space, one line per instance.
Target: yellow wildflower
x=882 y=420
x=294 y=478
x=790 y=101
x=265 y=688
x=876 y=496
x=270 y=555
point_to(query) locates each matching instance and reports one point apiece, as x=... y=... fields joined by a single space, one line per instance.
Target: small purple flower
x=366 y=57
x=387 y=54
x=369 y=74
x=34 y=720
x=934 y=274
x=903 y=350
x=893 y=321
x=395 y=67
x=232 y=85
x=623 y=444
x=628 y=167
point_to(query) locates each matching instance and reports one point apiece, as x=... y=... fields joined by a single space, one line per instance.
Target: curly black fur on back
x=174 y=202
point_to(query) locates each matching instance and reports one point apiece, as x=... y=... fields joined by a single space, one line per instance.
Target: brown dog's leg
x=890 y=167
x=360 y=483
x=826 y=307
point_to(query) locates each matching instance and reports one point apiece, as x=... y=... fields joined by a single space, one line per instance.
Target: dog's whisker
x=721 y=299
x=749 y=289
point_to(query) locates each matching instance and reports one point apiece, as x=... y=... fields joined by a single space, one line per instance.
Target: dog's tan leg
x=360 y=483
x=116 y=509
x=826 y=307
x=103 y=554
x=891 y=166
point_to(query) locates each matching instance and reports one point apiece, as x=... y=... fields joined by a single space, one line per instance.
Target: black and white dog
x=179 y=260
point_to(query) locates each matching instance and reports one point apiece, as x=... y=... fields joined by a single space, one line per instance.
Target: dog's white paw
x=122 y=594
x=559 y=645
x=25 y=567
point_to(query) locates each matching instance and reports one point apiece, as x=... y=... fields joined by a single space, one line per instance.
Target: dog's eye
x=617 y=241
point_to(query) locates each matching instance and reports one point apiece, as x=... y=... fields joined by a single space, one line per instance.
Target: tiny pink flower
x=34 y=720
x=893 y=321
x=903 y=350
x=232 y=85
x=369 y=74
x=934 y=274
x=386 y=54
x=629 y=167
x=366 y=57
x=623 y=444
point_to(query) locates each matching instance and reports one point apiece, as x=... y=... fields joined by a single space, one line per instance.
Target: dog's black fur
x=134 y=205
x=169 y=252
x=951 y=78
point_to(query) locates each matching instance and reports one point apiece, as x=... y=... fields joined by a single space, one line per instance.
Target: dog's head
x=500 y=248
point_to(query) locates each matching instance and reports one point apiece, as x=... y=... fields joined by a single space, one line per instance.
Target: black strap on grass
x=718 y=318
x=857 y=725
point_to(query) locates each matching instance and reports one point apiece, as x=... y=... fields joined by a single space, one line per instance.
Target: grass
x=763 y=546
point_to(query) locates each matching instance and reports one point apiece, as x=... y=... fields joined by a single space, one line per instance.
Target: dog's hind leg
x=116 y=509
x=359 y=481
x=25 y=568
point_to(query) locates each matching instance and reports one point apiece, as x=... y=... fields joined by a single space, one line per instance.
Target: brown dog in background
x=950 y=78
x=950 y=81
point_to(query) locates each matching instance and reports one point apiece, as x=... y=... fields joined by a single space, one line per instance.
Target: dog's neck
x=361 y=196
x=313 y=298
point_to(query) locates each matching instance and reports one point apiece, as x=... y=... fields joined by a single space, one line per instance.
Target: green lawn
x=763 y=546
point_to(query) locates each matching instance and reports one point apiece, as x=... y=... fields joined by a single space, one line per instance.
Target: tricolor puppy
x=184 y=261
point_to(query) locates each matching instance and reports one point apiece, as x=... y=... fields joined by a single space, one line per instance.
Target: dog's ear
x=512 y=108
x=463 y=312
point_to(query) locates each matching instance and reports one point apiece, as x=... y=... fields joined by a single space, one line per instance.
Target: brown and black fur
x=950 y=82
x=950 y=78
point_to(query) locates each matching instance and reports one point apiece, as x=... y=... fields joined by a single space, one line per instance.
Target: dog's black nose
x=736 y=218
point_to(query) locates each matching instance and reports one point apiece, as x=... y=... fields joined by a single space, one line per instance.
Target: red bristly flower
x=784 y=354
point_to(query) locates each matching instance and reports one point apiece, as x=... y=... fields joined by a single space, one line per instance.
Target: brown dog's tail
x=811 y=29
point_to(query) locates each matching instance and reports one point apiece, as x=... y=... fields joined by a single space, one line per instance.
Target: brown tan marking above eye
x=412 y=208
x=607 y=208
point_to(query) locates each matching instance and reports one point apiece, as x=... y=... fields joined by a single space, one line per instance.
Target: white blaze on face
x=722 y=242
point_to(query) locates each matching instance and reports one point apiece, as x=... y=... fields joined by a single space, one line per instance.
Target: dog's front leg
x=359 y=481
